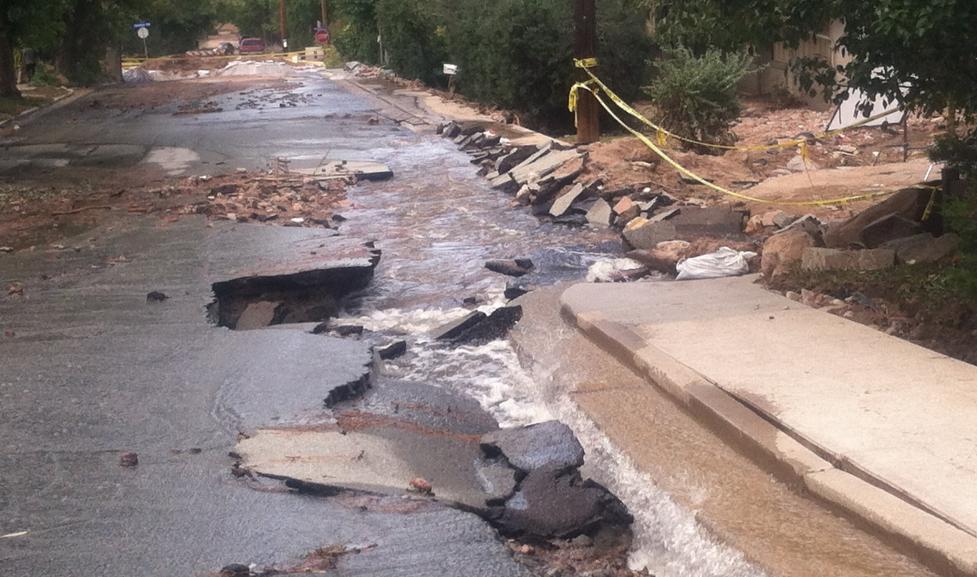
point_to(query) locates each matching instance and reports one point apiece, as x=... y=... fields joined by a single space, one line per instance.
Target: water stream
x=437 y=222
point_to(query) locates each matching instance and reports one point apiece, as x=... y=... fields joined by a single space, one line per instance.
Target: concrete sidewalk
x=878 y=426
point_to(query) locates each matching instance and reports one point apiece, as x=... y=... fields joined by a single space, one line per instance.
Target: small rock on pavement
x=156 y=297
x=235 y=570
x=548 y=444
x=783 y=252
x=419 y=485
x=128 y=459
x=510 y=267
x=393 y=350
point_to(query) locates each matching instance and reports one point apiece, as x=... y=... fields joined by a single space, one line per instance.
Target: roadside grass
x=920 y=287
x=14 y=106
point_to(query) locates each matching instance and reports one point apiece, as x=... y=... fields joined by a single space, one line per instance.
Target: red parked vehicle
x=251 y=45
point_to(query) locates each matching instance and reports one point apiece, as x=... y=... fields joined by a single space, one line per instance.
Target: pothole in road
x=311 y=295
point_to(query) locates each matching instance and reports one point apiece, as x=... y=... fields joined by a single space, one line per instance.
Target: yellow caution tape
x=689 y=174
x=584 y=65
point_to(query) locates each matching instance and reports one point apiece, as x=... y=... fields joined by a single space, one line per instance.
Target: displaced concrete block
x=889 y=227
x=924 y=248
x=600 y=213
x=908 y=203
x=782 y=252
x=566 y=200
x=827 y=259
x=689 y=224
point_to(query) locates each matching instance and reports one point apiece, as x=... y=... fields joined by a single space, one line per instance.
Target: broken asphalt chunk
x=510 y=267
x=549 y=444
x=393 y=350
x=156 y=297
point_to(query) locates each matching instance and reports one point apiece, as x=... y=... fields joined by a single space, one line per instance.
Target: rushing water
x=437 y=222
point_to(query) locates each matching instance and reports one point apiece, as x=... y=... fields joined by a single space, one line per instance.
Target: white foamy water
x=668 y=541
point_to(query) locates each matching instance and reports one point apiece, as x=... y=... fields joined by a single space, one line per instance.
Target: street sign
x=141 y=25
x=450 y=69
x=143 y=33
x=322 y=36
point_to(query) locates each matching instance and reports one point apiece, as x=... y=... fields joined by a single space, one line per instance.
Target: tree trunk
x=8 y=72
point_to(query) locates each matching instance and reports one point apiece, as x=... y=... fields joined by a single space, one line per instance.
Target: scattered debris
x=393 y=350
x=128 y=459
x=156 y=297
x=478 y=328
x=419 y=485
x=235 y=570
x=723 y=263
x=510 y=267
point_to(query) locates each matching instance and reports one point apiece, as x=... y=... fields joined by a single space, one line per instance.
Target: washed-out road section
x=92 y=369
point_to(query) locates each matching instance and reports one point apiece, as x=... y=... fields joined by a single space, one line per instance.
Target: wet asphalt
x=89 y=369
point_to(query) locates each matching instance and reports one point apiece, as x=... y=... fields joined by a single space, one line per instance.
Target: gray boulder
x=553 y=502
x=510 y=267
x=549 y=444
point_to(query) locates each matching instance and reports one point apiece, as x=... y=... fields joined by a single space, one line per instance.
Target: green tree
x=33 y=23
x=177 y=25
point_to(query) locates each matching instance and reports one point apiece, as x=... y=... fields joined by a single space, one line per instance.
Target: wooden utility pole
x=281 y=25
x=325 y=21
x=585 y=47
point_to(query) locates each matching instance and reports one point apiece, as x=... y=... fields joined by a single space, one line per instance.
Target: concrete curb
x=934 y=541
x=32 y=110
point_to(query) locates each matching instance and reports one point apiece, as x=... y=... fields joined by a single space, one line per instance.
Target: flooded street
x=91 y=369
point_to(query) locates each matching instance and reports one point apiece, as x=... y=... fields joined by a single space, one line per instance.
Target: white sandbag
x=722 y=263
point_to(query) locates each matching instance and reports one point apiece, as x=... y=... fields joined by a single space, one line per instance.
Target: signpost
x=142 y=31
x=451 y=71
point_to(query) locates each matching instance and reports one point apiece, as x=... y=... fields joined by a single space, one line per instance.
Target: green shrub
x=45 y=75
x=413 y=38
x=696 y=95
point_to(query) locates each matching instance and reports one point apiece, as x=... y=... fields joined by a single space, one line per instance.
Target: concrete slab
x=875 y=406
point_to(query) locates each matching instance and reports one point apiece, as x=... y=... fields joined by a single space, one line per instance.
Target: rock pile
x=889 y=233
x=533 y=484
